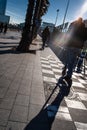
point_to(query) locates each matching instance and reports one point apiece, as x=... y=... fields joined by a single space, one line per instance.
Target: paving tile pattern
x=72 y=113
x=20 y=87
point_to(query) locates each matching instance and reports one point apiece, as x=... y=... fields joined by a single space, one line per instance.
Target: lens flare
x=83 y=10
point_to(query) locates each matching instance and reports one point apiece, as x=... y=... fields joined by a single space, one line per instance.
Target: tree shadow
x=9 y=43
x=6 y=46
x=8 y=51
x=14 y=51
x=45 y=118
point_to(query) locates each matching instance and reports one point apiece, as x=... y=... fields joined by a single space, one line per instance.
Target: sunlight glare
x=83 y=10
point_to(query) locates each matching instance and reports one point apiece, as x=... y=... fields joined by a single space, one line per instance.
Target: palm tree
x=34 y=11
x=26 y=38
x=40 y=9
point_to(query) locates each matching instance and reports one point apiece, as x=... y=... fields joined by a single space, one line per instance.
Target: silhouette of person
x=73 y=46
x=45 y=36
x=5 y=28
x=1 y=27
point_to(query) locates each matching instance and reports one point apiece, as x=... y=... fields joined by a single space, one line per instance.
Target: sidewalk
x=26 y=80
x=21 y=86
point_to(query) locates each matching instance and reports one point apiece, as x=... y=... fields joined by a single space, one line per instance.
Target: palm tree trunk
x=26 y=35
x=34 y=13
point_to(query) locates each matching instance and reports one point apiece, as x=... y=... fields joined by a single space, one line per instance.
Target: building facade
x=3 y=18
x=3 y=7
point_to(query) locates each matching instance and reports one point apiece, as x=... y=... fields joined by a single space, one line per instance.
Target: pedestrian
x=80 y=61
x=1 y=27
x=73 y=46
x=5 y=28
x=45 y=36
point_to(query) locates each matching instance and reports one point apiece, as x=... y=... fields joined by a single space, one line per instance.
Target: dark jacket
x=78 y=34
x=45 y=33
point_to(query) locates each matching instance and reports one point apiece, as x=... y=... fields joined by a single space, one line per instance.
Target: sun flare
x=83 y=10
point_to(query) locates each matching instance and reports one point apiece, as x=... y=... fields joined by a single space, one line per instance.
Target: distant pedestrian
x=73 y=46
x=45 y=36
x=5 y=28
x=1 y=27
x=80 y=61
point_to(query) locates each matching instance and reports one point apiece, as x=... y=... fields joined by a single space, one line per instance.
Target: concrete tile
x=2 y=92
x=15 y=126
x=57 y=70
x=9 y=75
x=19 y=74
x=1 y=100
x=82 y=81
x=6 y=104
x=80 y=90
x=83 y=96
x=85 y=103
x=24 y=90
x=76 y=84
x=37 y=89
x=81 y=126
x=46 y=66
x=63 y=116
x=37 y=98
x=37 y=82
x=11 y=94
x=49 y=79
x=33 y=111
x=47 y=71
x=2 y=128
x=54 y=65
x=43 y=58
x=75 y=104
x=63 y=109
x=15 y=85
x=78 y=115
x=74 y=77
x=26 y=81
x=4 y=115
x=19 y=113
x=22 y=100
x=4 y=82
x=44 y=62
x=53 y=61
x=62 y=125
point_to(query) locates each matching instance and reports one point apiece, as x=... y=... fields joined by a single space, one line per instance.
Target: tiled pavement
x=72 y=113
x=22 y=91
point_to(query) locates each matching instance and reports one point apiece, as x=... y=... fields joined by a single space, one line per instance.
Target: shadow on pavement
x=9 y=43
x=45 y=118
x=6 y=46
x=14 y=51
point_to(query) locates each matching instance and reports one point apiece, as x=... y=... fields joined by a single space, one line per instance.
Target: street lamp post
x=56 y=17
x=65 y=13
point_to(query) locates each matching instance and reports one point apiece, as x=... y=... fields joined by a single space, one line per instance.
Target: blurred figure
x=45 y=36
x=5 y=28
x=1 y=27
x=74 y=45
x=80 y=61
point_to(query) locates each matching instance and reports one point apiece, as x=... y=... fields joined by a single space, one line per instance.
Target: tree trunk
x=34 y=13
x=26 y=35
x=35 y=19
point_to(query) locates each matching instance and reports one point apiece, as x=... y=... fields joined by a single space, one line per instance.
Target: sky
x=16 y=9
